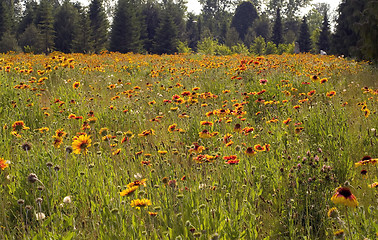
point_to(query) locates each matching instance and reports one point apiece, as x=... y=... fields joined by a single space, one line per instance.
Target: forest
x=223 y=27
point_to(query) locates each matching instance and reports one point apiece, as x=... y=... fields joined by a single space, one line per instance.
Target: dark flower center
x=345 y=192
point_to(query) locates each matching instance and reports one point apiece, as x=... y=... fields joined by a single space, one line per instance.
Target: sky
x=195 y=7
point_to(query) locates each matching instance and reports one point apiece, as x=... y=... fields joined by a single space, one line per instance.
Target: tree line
x=165 y=26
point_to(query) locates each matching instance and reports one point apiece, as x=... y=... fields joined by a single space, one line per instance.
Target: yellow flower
x=344 y=196
x=57 y=141
x=76 y=85
x=128 y=191
x=138 y=203
x=81 y=143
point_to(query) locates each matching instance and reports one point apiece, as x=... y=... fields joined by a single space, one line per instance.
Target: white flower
x=40 y=216
x=67 y=200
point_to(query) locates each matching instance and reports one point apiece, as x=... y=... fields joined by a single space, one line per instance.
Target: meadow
x=128 y=146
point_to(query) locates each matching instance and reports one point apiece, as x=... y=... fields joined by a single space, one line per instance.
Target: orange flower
x=344 y=196
x=259 y=148
x=287 y=121
x=19 y=125
x=331 y=94
x=3 y=164
x=206 y=123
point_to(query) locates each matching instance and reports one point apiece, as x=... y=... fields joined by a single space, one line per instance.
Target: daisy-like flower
x=137 y=183
x=259 y=148
x=344 y=196
x=138 y=203
x=366 y=160
x=373 y=185
x=146 y=133
x=3 y=164
x=206 y=123
x=128 y=191
x=81 y=143
x=250 y=151
x=57 y=141
x=339 y=234
x=204 y=134
x=331 y=94
x=333 y=213
x=76 y=85
x=60 y=133
x=19 y=125
x=104 y=131
x=172 y=127
x=197 y=148
x=237 y=128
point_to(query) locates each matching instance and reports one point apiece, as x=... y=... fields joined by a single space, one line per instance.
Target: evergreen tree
x=166 y=38
x=5 y=18
x=31 y=40
x=28 y=17
x=277 y=29
x=368 y=31
x=98 y=25
x=125 y=33
x=45 y=23
x=325 y=34
x=262 y=27
x=346 y=37
x=150 y=23
x=65 y=27
x=192 y=31
x=82 y=41
x=304 y=40
x=244 y=17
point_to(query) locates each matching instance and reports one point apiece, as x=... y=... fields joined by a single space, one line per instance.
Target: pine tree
x=304 y=40
x=82 y=41
x=5 y=21
x=277 y=29
x=166 y=38
x=125 y=33
x=243 y=18
x=324 y=36
x=44 y=22
x=65 y=27
x=98 y=25
x=149 y=25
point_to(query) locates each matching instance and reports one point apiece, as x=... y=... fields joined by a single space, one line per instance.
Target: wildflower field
x=126 y=146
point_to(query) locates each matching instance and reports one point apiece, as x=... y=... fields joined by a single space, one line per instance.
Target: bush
x=270 y=48
x=258 y=46
x=9 y=43
x=183 y=47
x=240 y=48
x=207 y=46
